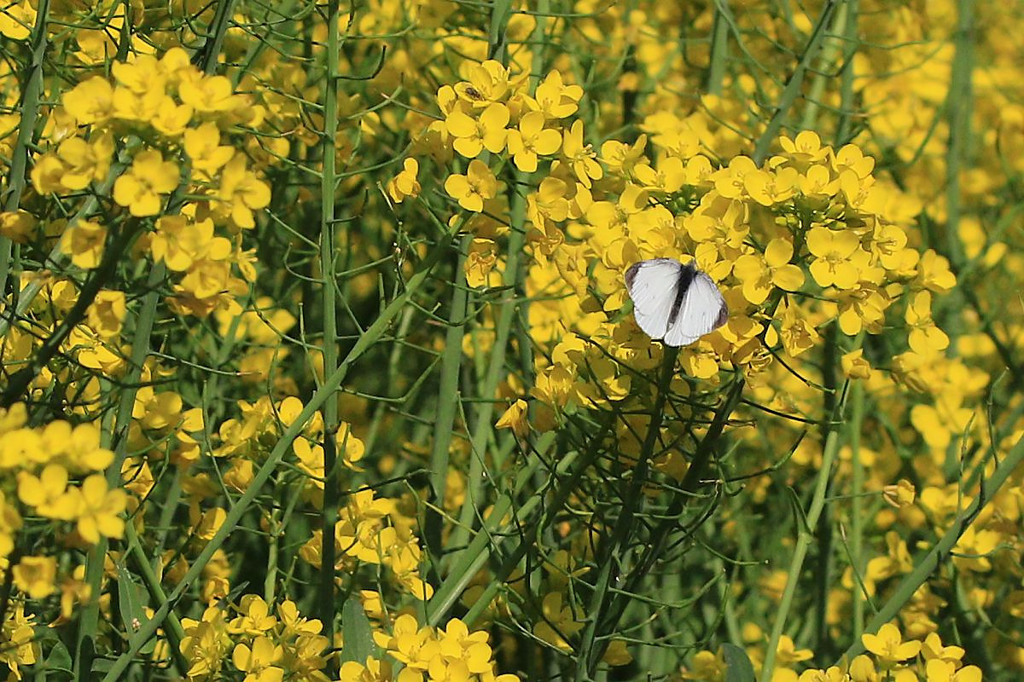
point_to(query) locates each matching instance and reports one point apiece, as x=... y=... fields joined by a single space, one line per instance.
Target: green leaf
x=355 y=628
x=739 y=668
x=130 y=605
x=59 y=659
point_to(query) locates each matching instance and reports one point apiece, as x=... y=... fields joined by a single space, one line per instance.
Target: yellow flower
x=46 y=493
x=768 y=188
x=157 y=411
x=85 y=162
x=937 y=670
x=934 y=648
x=106 y=314
x=901 y=495
x=973 y=549
x=140 y=76
x=210 y=95
x=258 y=662
x=515 y=418
x=488 y=82
x=256 y=617
x=855 y=366
x=140 y=188
x=473 y=188
x=531 y=140
x=17 y=226
x=888 y=645
x=805 y=150
x=20 y=641
x=759 y=275
x=473 y=135
x=98 y=509
x=668 y=174
x=580 y=156
x=179 y=242
x=934 y=273
x=36 y=576
x=554 y=98
x=798 y=335
x=833 y=251
x=372 y=671
x=17 y=20
x=730 y=182
x=559 y=619
x=203 y=147
x=405 y=185
x=707 y=667
x=787 y=653
x=409 y=644
x=242 y=192
x=84 y=242
x=832 y=674
x=925 y=338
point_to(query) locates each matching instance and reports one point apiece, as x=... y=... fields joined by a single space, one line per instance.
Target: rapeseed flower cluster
x=889 y=656
x=255 y=641
x=425 y=653
x=166 y=193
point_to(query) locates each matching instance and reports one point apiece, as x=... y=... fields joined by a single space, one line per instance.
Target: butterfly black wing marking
x=702 y=311
x=686 y=274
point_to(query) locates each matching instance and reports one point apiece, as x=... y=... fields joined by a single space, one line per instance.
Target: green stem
x=931 y=562
x=332 y=484
x=803 y=543
x=857 y=512
x=793 y=86
x=88 y=621
x=959 y=109
x=140 y=562
x=846 y=112
x=370 y=337
x=495 y=528
x=587 y=658
x=29 y=108
x=447 y=401
x=830 y=49
x=483 y=426
x=719 y=49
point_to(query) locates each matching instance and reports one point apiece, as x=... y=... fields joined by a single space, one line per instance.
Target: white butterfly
x=674 y=302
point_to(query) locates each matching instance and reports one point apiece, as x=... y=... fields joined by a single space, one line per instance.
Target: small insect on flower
x=674 y=302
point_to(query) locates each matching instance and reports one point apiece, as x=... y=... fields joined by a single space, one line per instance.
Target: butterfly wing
x=653 y=285
x=702 y=311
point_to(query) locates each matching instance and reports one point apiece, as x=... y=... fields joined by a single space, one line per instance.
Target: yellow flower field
x=319 y=358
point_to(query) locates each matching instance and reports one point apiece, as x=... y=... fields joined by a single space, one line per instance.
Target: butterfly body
x=674 y=302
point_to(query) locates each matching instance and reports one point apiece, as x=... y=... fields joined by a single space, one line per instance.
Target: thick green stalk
x=959 y=104
x=447 y=401
x=719 y=49
x=140 y=562
x=857 y=511
x=803 y=543
x=215 y=38
x=847 y=101
x=332 y=483
x=331 y=383
x=830 y=50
